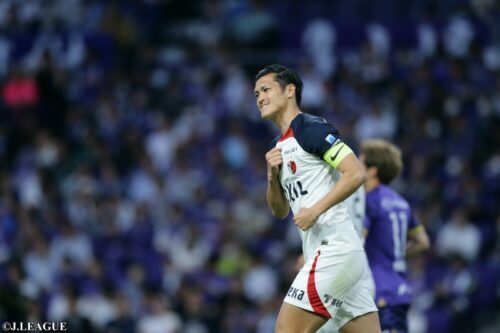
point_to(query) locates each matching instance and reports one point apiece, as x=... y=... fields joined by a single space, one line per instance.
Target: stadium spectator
x=104 y=95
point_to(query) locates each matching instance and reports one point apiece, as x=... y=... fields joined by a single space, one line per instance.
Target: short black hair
x=284 y=76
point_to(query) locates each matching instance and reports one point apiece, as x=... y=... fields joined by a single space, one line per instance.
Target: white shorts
x=334 y=285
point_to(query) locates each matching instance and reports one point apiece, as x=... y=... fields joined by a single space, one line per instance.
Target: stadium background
x=132 y=172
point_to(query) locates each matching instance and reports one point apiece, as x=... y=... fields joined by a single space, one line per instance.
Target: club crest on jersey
x=292 y=166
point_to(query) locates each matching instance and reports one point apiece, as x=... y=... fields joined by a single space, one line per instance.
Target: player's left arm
x=341 y=157
x=418 y=241
x=352 y=177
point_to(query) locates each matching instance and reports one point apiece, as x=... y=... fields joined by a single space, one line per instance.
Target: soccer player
x=311 y=171
x=392 y=233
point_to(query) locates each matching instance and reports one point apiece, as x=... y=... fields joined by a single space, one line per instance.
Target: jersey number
x=399 y=229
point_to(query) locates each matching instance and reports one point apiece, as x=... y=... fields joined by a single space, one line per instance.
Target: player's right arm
x=418 y=241
x=276 y=199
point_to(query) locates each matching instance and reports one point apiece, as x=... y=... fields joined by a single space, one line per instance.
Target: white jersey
x=357 y=209
x=310 y=149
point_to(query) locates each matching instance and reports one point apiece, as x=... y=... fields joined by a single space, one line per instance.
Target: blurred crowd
x=132 y=172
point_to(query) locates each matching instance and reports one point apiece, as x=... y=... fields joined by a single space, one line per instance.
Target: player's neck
x=371 y=184
x=284 y=119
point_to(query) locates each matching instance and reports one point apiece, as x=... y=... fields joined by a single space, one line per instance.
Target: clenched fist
x=305 y=218
x=274 y=162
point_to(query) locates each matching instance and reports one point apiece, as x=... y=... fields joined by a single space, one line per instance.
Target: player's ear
x=290 y=90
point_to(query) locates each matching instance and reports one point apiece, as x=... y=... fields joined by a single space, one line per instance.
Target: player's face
x=270 y=97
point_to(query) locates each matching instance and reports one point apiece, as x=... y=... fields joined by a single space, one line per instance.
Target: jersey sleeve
x=323 y=140
x=336 y=153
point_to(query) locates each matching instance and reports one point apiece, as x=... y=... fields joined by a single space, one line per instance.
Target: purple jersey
x=388 y=221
